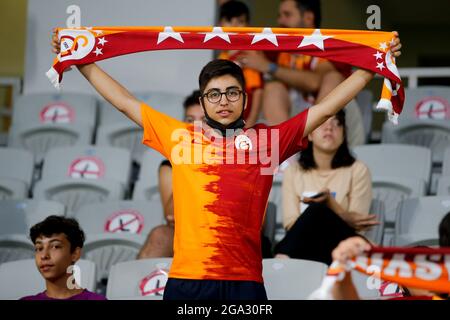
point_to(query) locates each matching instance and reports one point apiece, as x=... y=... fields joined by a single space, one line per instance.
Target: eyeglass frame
x=241 y=92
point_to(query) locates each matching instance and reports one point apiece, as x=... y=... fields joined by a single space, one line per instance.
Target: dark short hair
x=342 y=158
x=312 y=6
x=217 y=68
x=58 y=224
x=234 y=9
x=444 y=231
x=192 y=99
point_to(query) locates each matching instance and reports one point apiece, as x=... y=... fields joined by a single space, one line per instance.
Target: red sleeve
x=291 y=139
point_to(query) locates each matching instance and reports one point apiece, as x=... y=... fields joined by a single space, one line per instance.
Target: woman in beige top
x=326 y=195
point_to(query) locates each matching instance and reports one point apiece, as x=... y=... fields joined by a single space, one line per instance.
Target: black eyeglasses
x=214 y=95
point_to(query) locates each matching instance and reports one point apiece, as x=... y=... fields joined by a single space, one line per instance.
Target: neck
x=58 y=288
x=323 y=159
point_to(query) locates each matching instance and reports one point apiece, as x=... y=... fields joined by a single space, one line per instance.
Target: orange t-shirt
x=219 y=202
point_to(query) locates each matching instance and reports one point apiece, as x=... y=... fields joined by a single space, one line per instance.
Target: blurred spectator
x=315 y=225
x=295 y=81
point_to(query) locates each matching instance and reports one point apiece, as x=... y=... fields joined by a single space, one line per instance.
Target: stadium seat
x=365 y=286
x=22 y=278
x=292 y=279
x=123 y=135
x=391 y=190
x=146 y=187
x=420 y=217
x=365 y=103
x=446 y=163
x=52 y=108
x=39 y=138
x=444 y=186
x=432 y=134
x=16 y=164
x=84 y=175
x=139 y=279
x=396 y=160
x=16 y=218
x=127 y=216
x=270 y=222
x=107 y=249
x=165 y=102
x=376 y=233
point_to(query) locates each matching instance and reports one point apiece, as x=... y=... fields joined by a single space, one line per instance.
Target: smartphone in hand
x=317 y=195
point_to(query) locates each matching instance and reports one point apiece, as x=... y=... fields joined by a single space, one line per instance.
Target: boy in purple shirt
x=58 y=242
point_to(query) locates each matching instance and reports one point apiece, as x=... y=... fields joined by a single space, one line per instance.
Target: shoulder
x=39 y=296
x=88 y=295
x=360 y=169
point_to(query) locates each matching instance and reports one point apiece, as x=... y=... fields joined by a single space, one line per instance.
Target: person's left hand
x=254 y=60
x=350 y=248
x=396 y=45
x=324 y=197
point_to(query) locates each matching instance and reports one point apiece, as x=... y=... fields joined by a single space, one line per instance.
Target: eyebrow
x=52 y=240
x=231 y=87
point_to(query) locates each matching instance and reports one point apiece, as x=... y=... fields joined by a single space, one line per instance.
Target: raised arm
x=343 y=93
x=336 y=99
x=108 y=88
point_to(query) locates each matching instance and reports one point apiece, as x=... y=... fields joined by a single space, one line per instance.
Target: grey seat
x=396 y=160
x=398 y=172
x=74 y=193
x=107 y=249
x=139 y=279
x=22 y=278
x=365 y=103
x=16 y=219
x=444 y=186
x=126 y=216
x=421 y=216
x=125 y=135
x=54 y=108
x=84 y=175
x=292 y=279
x=17 y=164
x=365 y=286
x=90 y=162
x=16 y=173
x=165 y=102
x=39 y=138
x=433 y=134
x=446 y=163
x=376 y=233
x=146 y=187
x=391 y=190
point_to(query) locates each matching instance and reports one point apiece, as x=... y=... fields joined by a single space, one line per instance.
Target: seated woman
x=326 y=195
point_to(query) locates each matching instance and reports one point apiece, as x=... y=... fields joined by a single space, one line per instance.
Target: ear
x=76 y=254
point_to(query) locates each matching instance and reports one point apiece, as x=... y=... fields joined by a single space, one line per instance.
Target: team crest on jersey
x=242 y=142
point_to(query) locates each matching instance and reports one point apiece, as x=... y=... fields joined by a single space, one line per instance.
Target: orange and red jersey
x=220 y=194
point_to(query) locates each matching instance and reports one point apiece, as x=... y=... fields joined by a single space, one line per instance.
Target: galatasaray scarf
x=363 y=49
x=420 y=268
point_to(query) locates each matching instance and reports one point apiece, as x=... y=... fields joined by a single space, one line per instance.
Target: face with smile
x=53 y=256
x=221 y=109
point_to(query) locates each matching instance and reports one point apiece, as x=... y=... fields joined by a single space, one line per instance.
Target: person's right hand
x=350 y=248
x=56 y=45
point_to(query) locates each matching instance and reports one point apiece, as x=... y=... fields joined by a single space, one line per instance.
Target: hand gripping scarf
x=363 y=49
x=420 y=268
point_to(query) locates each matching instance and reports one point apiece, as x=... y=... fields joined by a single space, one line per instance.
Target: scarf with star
x=420 y=268
x=363 y=49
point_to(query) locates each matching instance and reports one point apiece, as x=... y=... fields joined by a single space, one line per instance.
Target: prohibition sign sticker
x=57 y=112
x=433 y=108
x=154 y=284
x=87 y=167
x=126 y=221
